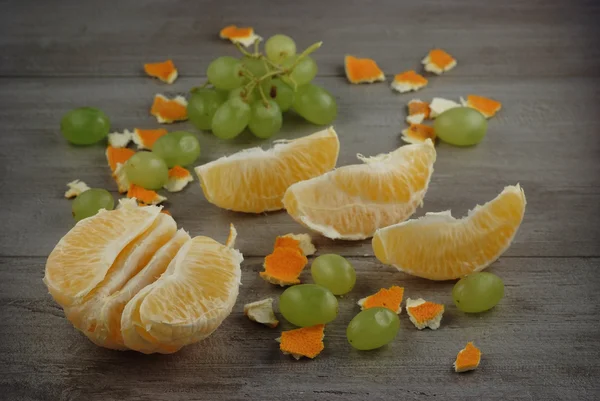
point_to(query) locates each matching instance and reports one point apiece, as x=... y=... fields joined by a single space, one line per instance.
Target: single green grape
x=178 y=148
x=373 y=328
x=89 y=202
x=202 y=107
x=231 y=118
x=304 y=71
x=147 y=170
x=315 y=104
x=460 y=126
x=256 y=66
x=242 y=93
x=282 y=93
x=334 y=273
x=279 y=47
x=308 y=305
x=85 y=126
x=478 y=292
x=225 y=73
x=265 y=121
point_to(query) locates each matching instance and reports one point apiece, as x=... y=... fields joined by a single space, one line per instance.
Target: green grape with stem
x=225 y=73
x=89 y=202
x=302 y=71
x=279 y=47
x=265 y=119
x=282 y=94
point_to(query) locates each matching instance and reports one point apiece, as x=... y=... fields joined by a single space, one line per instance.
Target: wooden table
x=541 y=58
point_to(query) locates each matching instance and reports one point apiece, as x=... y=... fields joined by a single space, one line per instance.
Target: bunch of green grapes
x=255 y=90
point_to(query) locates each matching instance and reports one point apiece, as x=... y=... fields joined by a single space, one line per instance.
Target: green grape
x=315 y=104
x=334 y=273
x=373 y=328
x=89 y=202
x=85 y=126
x=177 y=148
x=231 y=118
x=202 y=106
x=460 y=126
x=478 y=292
x=241 y=93
x=256 y=66
x=308 y=305
x=147 y=170
x=282 y=93
x=279 y=47
x=225 y=73
x=305 y=70
x=265 y=121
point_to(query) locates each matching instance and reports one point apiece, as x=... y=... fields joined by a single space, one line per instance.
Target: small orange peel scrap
x=486 y=106
x=362 y=70
x=242 y=35
x=120 y=139
x=408 y=81
x=262 y=312
x=165 y=211
x=467 y=359
x=179 y=177
x=283 y=266
x=145 y=196
x=298 y=241
x=418 y=133
x=76 y=187
x=145 y=138
x=305 y=341
x=424 y=313
x=439 y=105
x=390 y=298
x=117 y=157
x=168 y=110
x=165 y=71
x=438 y=61
x=418 y=111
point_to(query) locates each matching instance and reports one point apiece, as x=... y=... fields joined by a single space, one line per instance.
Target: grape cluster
x=254 y=90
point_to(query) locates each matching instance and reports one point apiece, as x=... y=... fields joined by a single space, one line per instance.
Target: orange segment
x=75 y=188
x=306 y=341
x=352 y=202
x=145 y=196
x=418 y=111
x=438 y=61
x=487 y=107
x=145 y=138
x=418 y=133
x=297 y=241
x=468 y=358
x=169 y=110
x=115 y=156
x=424 y=314
x=362 y=70
x=245 y=36
x=408 y=81
x=165 y=71
x=440 y=247
x=179 y=177
x=262 y=312
x=283 y=266
x=386 y=298
x=254 y=180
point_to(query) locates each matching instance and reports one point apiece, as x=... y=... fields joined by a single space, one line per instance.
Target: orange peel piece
x=120 y=139
x=305 y=341
x=439 y=105
x=424 y=313
x=242 y=35
x=418 y=111
x=362 y=70
x=145 y=196
x=283 y=266
x=467 y=359
x=438 y=61
x=116 y=156
x=418 y=133
x=408 y=81
x=145 y=138
x=179 y=177
x=390 y=298
x=165 y=211
x=165 y=71
x=486 y=106
x=76 y=187
x=297 y=241
x=262 y=312
x=168 y=110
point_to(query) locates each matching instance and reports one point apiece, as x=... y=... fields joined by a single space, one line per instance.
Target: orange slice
x=487 y=107
x=145 y=138
x=298 y=241
x=244 y=36
x=424 y=314
x=305 y=341
x=467 y=359
x=165 y=71
x=254 y=180
x=168 y=110
x=418 y=133
x=386 y=298
x=120 y=139
x=75 y=188
x=418 y=111
x=179 y=177
x=261 y=312
x=145 y=196
x=409 y=81
x=438 y=61
x=439 y=105
x=352 y=202
x=283 y=266
x=440 y=247
x=362 y=70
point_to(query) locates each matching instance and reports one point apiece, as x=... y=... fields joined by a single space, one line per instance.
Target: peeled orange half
x=440 y=247
x=254 y=180
x=352 y=202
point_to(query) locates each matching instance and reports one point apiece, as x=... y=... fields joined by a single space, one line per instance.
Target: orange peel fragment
x=438 y=61
x=168 y=110
x=390 y=298
x=305 y=341
x=408 y=81
x=261 y=312
x=242 y=35
x=439 y=105
x=362 y=70
x=179 y=177
x=145 y=138
x=468 y=358
x=283 y=266
x=120 y=139
x=117 y=157
x=418 y=111
x=145 y=196
x=165 y=71
x=486 y=106
x=297 y=241
x=76 y=187
x=418 y=133
x=424 y=313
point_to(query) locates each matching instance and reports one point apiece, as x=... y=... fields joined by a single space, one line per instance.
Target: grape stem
x=241 y=49
x=256 y=49
x=197 y=88
x=305 y=53
x=263 y=96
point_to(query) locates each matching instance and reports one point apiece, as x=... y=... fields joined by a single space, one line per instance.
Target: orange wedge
x=438 y=61
x=418 y=133
x=145 y=138
x=467 y=359
x=487 y=107
x=362 y=70
x=244 y=36
x=168 y=110
x=165 y=71
x=409 y=81
x=254 y=180
x=352 y=202
x=440 y=247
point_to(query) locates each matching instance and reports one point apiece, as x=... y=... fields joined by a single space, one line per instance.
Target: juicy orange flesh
x=149 y=136
x=168 y=109
x=362 y=69
x=411 y=77
x=440 y=58
x=420 y=132
x=117 y=155
x=160 y=70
